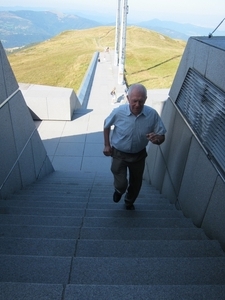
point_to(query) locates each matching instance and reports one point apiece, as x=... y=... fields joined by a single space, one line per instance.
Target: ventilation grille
x=203 y=106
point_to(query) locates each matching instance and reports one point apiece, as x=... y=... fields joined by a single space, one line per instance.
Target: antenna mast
x=122 y=42
x=117 y=37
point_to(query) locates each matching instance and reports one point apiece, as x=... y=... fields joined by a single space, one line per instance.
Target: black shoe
x=117 y=196
x=130 y=207
x=128 y=203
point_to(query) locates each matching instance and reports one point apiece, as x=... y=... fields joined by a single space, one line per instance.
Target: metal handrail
x=9 y=98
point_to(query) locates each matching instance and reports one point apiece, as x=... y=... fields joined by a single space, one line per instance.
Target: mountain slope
x=63 y=60
x=177 y=30
x=19 y=28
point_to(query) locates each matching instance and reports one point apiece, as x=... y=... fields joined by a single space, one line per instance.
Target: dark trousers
x=122 y=163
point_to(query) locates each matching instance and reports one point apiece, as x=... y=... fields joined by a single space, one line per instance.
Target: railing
x=17 y=160
x=9 y=98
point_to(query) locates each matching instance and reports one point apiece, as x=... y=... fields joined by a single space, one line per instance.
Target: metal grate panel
x=203 y=106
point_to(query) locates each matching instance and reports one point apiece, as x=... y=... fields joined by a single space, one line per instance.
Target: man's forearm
x=106 y=136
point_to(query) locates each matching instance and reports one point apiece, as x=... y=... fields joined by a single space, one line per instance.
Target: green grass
x=151 y=58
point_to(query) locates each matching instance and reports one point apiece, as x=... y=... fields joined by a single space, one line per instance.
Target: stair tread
x=148 y=270
x=27 y=291
x=67 y=228
x=143 y=292
x=109 y=248
x=60 y=201
x=142 y=233
x=127 y=220
x=27 y=220
x=105 y=205
x=43 y=211
x=137 y=222
x=81 y=211
x=20 y=268
x=210 y=270
x=38 y=231
x=63 y=231
x=148 y=248
x=37 y=291
x=37 y=246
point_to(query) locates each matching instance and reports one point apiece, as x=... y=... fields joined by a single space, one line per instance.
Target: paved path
x=77 y=145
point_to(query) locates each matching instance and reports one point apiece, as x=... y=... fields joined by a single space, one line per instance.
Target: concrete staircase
x=64 y=238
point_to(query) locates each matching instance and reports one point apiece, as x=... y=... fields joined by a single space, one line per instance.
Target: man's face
x=136 y=102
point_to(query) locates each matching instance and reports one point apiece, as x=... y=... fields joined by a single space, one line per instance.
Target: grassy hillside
x=151 y=58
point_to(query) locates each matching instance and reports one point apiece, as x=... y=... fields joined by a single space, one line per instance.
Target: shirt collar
x=130 y=113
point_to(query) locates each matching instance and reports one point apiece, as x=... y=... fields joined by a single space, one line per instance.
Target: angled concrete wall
x=23 y=157
x=180 y=168
x=50 y=103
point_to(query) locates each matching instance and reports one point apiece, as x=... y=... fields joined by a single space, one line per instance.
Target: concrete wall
x=50 y=103
x=23 y=158
x=180 y=168
x=57 y=103
x=85 y=88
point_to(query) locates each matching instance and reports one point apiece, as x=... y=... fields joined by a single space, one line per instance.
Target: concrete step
x=83 y=189
x=36 y=291
x=76 y=192
x=92 y=222
x=38 y=231
x=148 y=248
x=28 y=291
x=145 y=292
x=113 y=271
x=70 y=232
x=66 y=236
x=109 y=248
x=62 y=202
x=140 y=206
x=39 y=197
x=30 y=203
x=37 y=246
x=148 y=271
x=35 y=269
x=132 y=222
x=142 y=234
x=100 y=195
x=122 y=213
x=83 y=184
x=76 y=211
x=29 y=220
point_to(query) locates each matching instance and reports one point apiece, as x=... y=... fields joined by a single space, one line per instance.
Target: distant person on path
x=113 y=94
x=135 y=124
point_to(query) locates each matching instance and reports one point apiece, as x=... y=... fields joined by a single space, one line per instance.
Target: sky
x=206 y=13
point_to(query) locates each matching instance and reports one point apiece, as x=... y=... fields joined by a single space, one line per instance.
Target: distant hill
x=23 y=27
x=177 y=30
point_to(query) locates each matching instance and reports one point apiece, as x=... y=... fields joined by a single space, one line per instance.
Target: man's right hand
x=107 y=151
